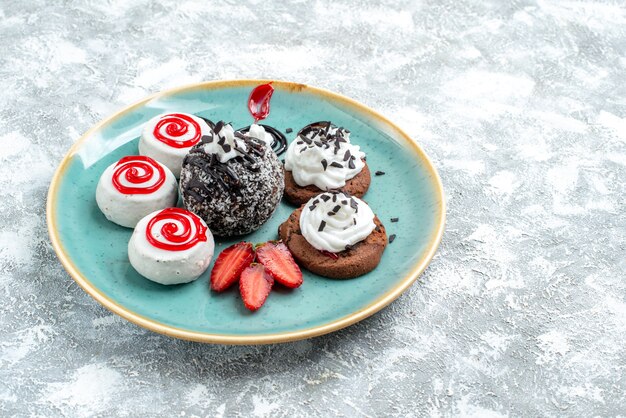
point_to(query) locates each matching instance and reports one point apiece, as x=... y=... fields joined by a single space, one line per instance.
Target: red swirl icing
x=177 y=235
x=138 y=170
x=176 y=125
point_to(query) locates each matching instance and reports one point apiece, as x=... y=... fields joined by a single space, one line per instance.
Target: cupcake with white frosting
x=335 y=235
x=322 y=158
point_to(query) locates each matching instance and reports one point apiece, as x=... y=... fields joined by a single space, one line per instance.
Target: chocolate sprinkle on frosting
x=354 y=205
x=327 y=128
x=324 y=164
x=336 y=164
x=322 y=225
x=351 y=163
x=325 y=197
x=218 y=127
x=314 y=204
x=347 y=155
x=318 y=134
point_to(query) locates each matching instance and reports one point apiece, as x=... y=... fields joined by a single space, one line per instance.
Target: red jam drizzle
x=178 y=233
x=329 y=254
x=177 y=125
x=259 y=101
x=138 y=170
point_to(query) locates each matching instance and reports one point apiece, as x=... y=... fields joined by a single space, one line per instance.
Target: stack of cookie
x=333 y=233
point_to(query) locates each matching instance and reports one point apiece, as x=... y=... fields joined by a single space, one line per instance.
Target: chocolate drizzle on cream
x=279 y=140
x=248 y=155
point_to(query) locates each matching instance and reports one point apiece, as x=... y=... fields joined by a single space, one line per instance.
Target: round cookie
x=356 y=186
x=355 y=260
x=171 y=246
x=167 y=138
x=233 y=182
x=322 y=158
x=133 y=187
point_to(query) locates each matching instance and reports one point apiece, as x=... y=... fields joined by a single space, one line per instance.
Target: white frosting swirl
x=224 y=143
x=335 y=221
x=322 y=157
x=259 y=132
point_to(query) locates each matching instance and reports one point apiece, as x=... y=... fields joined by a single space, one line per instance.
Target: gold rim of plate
x=184 y=334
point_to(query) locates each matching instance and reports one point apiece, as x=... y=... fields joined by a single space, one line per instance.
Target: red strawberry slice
x=277 y=259
x=229 y=265
x=255 y=285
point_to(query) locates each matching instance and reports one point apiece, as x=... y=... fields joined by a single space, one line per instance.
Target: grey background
x=522 y=107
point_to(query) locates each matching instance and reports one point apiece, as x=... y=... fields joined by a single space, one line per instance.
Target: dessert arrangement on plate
x=230 y=182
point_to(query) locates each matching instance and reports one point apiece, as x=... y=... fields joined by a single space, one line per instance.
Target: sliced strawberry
x=229 y=265
x=255 y=285
x=277 y=259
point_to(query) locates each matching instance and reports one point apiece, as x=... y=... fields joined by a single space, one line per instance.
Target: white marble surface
x=522 y=106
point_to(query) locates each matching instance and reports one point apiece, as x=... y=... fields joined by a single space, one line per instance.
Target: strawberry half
x=229 y=265
x=277 y=259
x=255 y=285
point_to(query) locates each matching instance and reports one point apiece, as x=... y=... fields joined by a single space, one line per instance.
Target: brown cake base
x=360 y=259
x=356 y=186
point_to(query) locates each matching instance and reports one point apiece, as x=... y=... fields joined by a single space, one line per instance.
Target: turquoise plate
x=93 y=250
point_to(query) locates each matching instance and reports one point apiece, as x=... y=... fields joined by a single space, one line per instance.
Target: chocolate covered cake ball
x=232 y=181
